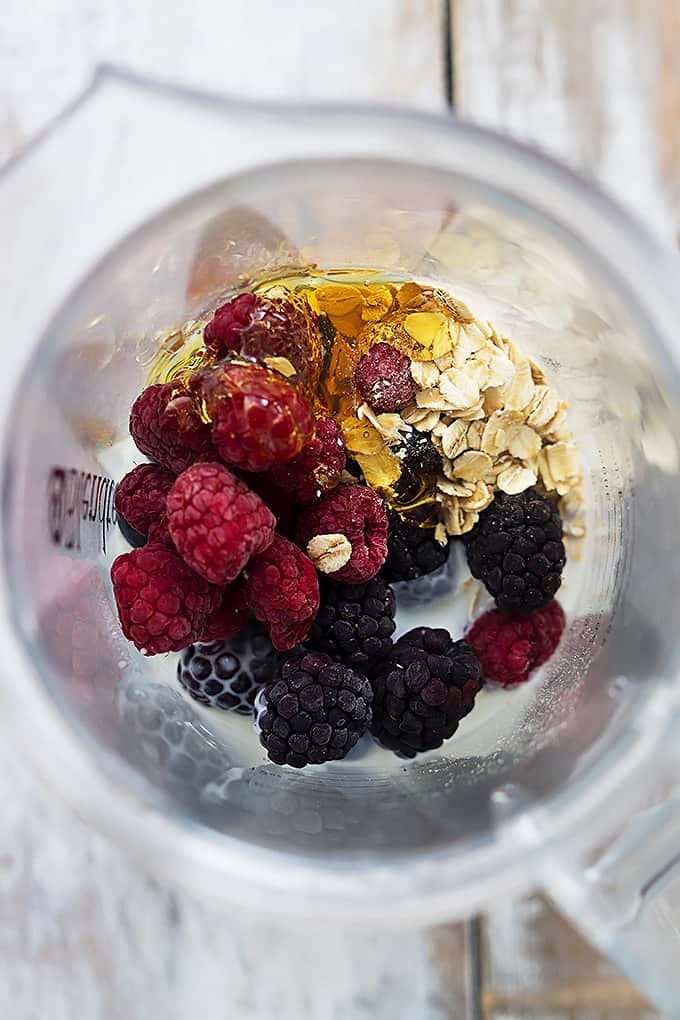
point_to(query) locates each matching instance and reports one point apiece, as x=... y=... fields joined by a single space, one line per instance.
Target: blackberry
x=418 y=455
x=228 y=674
x=411 y=551
x=130 y=534
x=314 y=711
x=422 y=690
x=355 y=622
x=516 y=550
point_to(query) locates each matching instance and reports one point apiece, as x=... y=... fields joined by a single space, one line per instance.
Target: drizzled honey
x=485 y=405
x=357 y=309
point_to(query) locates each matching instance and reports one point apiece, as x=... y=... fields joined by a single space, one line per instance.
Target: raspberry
x=228 y=674
x=167 y=427
x=511 y=647
x=230 y=617
x=318 y=468
x=163 y=605
x=259 y=419
x=140 y=495
x=383 y=377
x=422 y=690
x=283 y=592
x=358 y=513
x=355 y=622
x=159 y=533
x=314 y=711
x=278 y=500
x=516 y=550
x=411 y=551
x=216 y=522
x=262 y=327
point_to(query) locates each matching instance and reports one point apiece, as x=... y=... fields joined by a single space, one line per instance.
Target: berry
x=358 y=513
x=259 y=418
x=314 y=711
x=132 y=537
x=318 y=468
x=511 y=647
x=163 y=605
x=422 y=690
x=516 y=550
x=159 y=533
x=260 y=327
x=140 y=495
x=216 y=522
x=383 y=377
x=230 y=616
x=228 y=674
x=411 y=551
x=355 y=622
x=418 y=455
x=277 y=499
x=282 y=590
x=166 y=426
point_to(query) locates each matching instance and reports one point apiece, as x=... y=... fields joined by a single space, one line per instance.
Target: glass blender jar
x=139 y=207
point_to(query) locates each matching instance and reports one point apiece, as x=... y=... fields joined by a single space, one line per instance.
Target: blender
x=140 y=206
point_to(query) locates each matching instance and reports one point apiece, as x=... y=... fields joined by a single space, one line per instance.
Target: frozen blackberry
x=314 y=711
x=411 y=551
x=422 y=690
x=516 y=550
x=228 y=674
x=355 y=622
x=418 y=455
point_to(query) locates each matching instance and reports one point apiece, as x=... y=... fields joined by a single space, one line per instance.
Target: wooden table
x=83 y=934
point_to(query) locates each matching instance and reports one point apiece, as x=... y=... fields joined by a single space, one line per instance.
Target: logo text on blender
x=80 y=509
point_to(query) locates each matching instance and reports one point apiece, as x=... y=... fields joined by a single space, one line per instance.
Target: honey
x=471 y=383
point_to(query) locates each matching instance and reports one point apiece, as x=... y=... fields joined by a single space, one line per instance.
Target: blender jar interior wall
x=70 y=446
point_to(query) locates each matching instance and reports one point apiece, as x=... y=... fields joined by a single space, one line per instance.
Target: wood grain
x=594 y=82
x=382 y=51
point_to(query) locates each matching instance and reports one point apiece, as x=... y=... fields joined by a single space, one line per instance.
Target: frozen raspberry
x=511 y=647
x=167 y=427
x=278 y=500
x=318 y=468
x=159 y=533
x=358 y=513
x=283 y=592
x=163 y=605
x=383 y=377
x=259 y=418
x=263 y=327
x=216 y=522
x=230 y=617
x=140 y=495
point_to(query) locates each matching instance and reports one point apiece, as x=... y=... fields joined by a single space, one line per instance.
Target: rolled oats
x=458 y=389
x=519 y=391
x=454 y=439
x=472 y=466
x=425 y=374
x=515 y=479
x=329 y=553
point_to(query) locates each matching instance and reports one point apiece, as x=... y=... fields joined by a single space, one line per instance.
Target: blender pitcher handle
x=626 y=901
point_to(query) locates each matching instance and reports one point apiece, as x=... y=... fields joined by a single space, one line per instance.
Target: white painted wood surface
x=83 y=934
